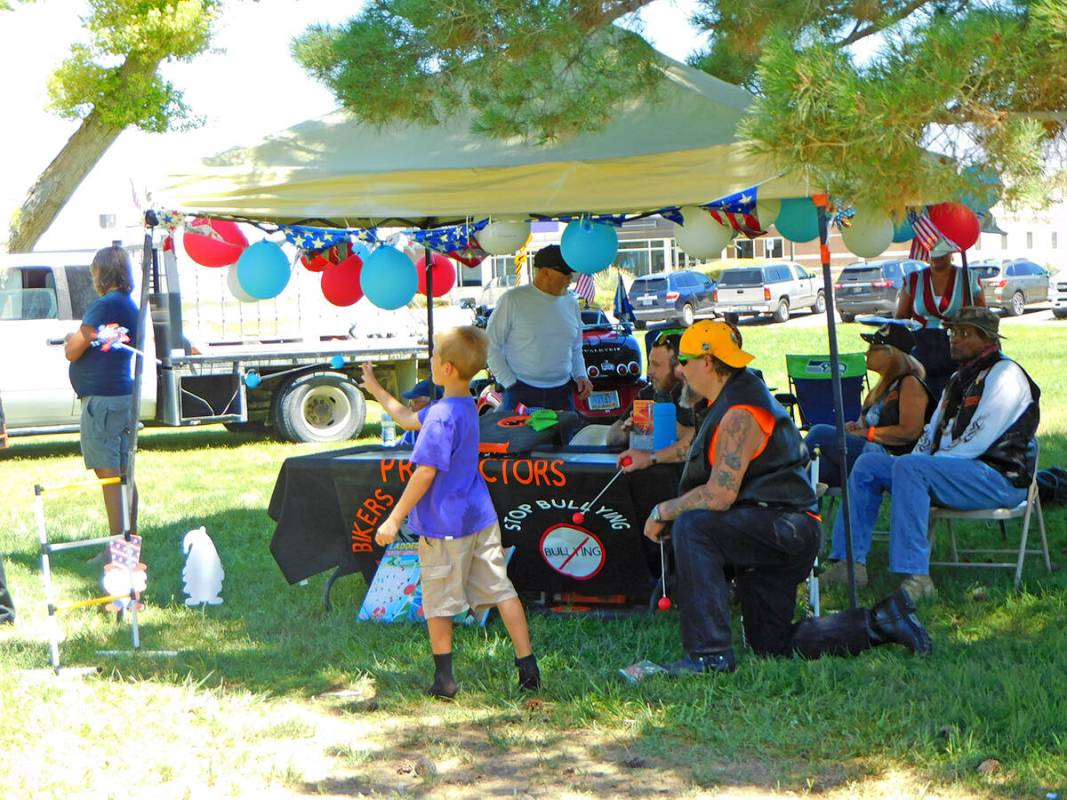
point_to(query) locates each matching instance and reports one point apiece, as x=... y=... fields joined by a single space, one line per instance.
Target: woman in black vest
x=893 y=413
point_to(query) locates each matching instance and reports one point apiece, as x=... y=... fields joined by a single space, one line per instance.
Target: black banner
x=329 y=506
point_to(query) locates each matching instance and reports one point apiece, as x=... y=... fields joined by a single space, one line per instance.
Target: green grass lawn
x=273 y=697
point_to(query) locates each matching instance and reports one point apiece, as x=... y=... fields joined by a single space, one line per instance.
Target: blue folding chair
x=811 y=391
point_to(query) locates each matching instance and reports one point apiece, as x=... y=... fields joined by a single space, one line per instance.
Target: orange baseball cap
x=709 y=338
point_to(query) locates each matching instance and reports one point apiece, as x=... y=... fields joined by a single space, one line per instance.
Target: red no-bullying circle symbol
x=572 y=551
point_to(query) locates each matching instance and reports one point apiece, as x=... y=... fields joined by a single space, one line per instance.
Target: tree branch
x=879 y=26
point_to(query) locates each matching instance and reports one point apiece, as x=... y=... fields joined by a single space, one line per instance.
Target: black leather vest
x=1012 y=454
x=778 y=476
x=891 y=413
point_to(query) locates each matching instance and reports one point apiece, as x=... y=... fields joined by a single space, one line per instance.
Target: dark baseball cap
x=551 y=257
x=423 y=389
x=892 y=335
x=983 y=319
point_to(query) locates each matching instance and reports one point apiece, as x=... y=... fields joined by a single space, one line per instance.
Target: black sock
x=529 y=674
x=444 y=685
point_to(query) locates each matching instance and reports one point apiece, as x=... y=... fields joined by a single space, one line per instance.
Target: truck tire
x=1059 y=313
x=781 y=314
x=820 y=304
x=1017 y=305
x=319 y=407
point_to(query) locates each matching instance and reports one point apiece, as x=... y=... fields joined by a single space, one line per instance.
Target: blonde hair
x=111 y=269
x=901 y=364
x=466 y=348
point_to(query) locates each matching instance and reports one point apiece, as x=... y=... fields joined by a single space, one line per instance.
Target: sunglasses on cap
x=684 y=359
x=669 y=338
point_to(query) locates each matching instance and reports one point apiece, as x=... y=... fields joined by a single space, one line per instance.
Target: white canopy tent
x=679 y=147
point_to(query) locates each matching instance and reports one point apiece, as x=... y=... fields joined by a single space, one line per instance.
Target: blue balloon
x=798 y=221
x=902 y=231
x=361 y=250
x=252 y=379
x=589 y=246
x=263 y=270
x=389 y=279
x=337 y=362
x=985 y=189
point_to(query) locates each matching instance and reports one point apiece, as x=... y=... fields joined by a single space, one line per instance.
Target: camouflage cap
x=983 y=319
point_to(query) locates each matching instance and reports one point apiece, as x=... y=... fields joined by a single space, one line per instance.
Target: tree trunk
x=59 y=181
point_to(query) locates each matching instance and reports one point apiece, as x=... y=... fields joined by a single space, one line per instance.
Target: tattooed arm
x=739 y=438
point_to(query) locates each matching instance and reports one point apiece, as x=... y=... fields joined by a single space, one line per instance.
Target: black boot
x=444 y=685
x=529 y=674
x=708 y=662
x=893 y=621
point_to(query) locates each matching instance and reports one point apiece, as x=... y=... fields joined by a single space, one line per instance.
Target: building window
x=1003 y=241
x=745 y=248
x=503 y=270
x=642 y=256
x=470 y=276
x=773 y=247
x=1029 y=240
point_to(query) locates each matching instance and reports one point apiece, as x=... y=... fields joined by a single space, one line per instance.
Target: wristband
x=870 y=434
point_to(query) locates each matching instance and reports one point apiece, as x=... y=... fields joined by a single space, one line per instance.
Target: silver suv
x=1012 y=284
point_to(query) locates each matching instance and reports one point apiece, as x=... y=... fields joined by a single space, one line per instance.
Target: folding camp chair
x=1024 y=511
x=811 y=392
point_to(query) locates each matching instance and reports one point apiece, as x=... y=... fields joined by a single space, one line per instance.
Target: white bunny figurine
x=203 y=571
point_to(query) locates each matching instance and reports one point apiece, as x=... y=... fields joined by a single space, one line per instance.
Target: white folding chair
x=1024 y=511
x=813 y=576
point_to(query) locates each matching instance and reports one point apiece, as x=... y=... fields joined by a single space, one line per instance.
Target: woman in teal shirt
x=928 y=297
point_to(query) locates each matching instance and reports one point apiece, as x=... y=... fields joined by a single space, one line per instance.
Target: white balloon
x=870 y=233
x=503 y=237
x=700 y=235
x=234 y=285
x=767 y=212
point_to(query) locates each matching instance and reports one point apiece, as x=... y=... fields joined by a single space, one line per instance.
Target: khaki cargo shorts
x=463 y=573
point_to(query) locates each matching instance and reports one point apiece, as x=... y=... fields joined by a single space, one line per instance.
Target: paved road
x=1034 y=314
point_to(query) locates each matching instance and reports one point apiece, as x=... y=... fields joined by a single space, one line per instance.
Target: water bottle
x=388 y=431
x=664 y=425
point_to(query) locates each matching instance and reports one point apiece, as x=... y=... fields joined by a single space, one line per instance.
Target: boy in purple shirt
x=460 y=557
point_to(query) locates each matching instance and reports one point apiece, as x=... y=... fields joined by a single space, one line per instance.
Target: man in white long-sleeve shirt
x=535 y=338
x=976 y=452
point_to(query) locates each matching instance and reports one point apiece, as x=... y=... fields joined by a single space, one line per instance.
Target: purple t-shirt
x=457 y=503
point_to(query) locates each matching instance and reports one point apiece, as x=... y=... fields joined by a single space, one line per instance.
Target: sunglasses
x=684 y=359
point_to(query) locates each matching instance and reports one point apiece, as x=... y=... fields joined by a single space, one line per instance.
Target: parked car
x=671 y=296
x=1012 y=284
x=871 y=287
x=1057 y=294
x=775 y=289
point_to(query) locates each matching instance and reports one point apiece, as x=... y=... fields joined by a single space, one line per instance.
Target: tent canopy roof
x=676 y=148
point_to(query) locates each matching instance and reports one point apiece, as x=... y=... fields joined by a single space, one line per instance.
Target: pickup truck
x=775 y=289
x=305 y=389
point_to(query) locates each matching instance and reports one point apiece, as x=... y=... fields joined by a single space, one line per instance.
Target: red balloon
x=444 y=275
x=209 y=251
x=957 y=222
x=340 y=282
x=318 y=261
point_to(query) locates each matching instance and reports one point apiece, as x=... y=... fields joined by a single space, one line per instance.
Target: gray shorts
x=103 y=430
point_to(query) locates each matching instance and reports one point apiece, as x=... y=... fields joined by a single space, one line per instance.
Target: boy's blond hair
x=466 y=348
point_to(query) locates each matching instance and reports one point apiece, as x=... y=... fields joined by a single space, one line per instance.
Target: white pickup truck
x=306 y=390
x=776 y=289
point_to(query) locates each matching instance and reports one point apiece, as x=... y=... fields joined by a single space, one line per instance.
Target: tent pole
x=428 y=256
x=822 y=203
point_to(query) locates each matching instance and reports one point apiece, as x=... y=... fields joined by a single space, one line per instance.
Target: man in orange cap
x=745 y=508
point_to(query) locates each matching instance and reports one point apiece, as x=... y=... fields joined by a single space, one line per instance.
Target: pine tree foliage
x=951 y=89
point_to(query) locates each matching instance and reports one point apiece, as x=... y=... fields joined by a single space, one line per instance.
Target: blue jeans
x=560 y=398
x=915 y=482
x=825 y=438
